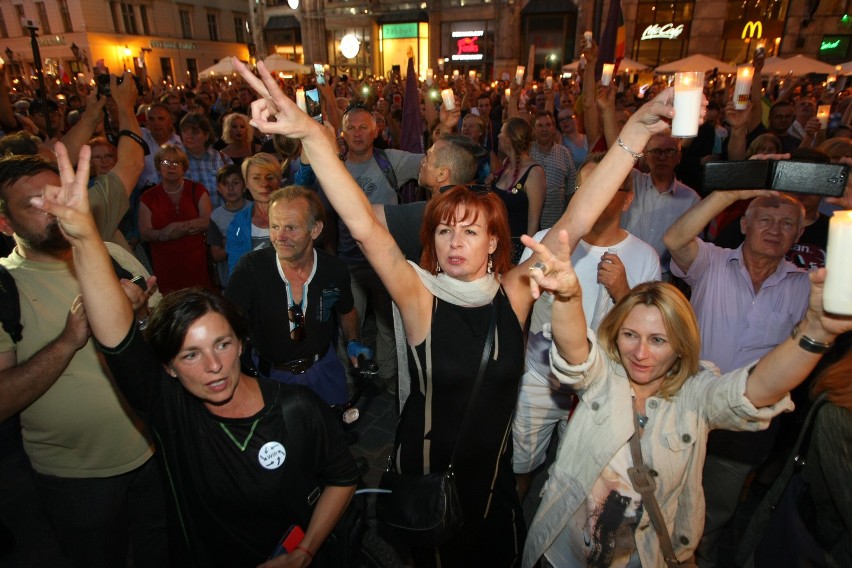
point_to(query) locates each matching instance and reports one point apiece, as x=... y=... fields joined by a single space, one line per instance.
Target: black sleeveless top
x=443 y=371
x=517 y=206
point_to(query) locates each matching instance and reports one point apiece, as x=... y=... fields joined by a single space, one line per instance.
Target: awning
x=283 y=23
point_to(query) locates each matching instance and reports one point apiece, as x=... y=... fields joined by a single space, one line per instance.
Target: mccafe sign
x=656 y=31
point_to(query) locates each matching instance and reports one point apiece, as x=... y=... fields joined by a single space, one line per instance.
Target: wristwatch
x=808 y=344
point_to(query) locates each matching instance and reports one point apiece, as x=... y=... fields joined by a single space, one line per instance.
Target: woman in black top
x=244 y=458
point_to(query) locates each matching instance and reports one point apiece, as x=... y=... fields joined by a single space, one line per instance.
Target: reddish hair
x=835 y=378
x=443 y=208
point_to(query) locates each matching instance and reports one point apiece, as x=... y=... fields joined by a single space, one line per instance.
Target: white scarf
x=473 y=294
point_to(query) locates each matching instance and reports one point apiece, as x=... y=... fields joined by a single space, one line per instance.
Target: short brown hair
x=316 y=212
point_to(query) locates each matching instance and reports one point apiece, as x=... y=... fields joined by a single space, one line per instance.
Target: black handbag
x=777 y=534
x=425 y=510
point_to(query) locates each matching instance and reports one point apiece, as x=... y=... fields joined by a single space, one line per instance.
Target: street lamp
x=79 y=57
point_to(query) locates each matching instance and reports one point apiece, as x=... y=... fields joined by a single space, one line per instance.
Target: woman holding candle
x=641 y=384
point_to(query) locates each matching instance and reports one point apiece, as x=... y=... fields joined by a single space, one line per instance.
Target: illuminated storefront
x=396 y=39
x=467 y=46
x=749 y=25
x=662 y=31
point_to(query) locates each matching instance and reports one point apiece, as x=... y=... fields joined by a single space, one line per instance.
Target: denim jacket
x=673 y=444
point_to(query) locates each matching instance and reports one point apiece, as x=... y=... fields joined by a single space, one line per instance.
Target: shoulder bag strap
x=486 y=353
x=644 y=484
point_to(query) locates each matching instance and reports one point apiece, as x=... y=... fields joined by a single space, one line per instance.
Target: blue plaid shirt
x=203 y=170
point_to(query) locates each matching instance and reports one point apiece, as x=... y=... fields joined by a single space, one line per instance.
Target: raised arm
x=82 y=132
x=600 y=186
x=786 y=366
x=680 y=238
x=554 y=274
x=345 y=195
x=130 y=155
x=107 y=307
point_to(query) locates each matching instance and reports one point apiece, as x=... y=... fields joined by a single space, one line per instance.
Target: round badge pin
x=272 y=455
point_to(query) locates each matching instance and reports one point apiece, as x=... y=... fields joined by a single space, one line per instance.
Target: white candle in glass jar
x=519 y=74
x=823 y=113
x=508 y=93
x=606 y=74
x=300 y=100
x=742 y=88
x=587 y=35
x=688 y=96
x=455 y=73
x=449 y=99
x=549 y=81
x=837 y=293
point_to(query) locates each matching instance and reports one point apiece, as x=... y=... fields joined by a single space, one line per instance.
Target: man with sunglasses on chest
x=294 y=296
x=660 y=199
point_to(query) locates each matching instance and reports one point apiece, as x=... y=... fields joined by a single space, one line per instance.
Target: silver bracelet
x=634 y=155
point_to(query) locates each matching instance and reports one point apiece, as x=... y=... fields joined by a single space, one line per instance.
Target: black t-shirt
x=258 y=290
x=236 y=484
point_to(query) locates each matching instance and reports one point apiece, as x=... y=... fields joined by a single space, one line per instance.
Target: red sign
x=468 y=45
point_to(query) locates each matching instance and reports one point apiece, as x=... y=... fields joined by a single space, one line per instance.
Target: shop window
x=128 y=16
x=66 y=16
x=42 y=17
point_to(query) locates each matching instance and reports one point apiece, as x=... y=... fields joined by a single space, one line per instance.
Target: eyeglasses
x=170 y=163
x=659 y=153
x=474 y=187
x=297 y=318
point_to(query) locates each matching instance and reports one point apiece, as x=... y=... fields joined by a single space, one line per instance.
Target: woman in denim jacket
x=644 y=363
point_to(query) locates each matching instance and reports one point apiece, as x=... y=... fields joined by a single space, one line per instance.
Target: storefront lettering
x=829 y=45
x=668 y=31
x=172 y=44
x=753 y=30
x=467 y=45
x=51 y=40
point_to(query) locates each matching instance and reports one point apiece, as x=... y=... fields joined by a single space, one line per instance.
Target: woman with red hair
x=446 y=305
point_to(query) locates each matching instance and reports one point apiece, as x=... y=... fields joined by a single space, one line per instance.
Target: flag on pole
x=411 y=134
x=613 y=42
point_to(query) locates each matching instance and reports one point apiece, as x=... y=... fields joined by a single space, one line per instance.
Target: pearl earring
x=490 y=264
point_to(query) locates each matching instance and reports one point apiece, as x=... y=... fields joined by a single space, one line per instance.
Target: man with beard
x=90 y=452
x=293 y=341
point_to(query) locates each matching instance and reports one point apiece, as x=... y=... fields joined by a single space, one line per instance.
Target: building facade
x=164 y=42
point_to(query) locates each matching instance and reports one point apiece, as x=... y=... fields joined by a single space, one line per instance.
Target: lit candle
x=823 y=112
x=742 y=88
x=449 y=99
x=300 y=100
x=471 y=75
x=519 y=75
x=606 y=74
x=455 y=73
x=429 y=77
x=837 y=294
x=508 y=93
x=688 y=95
x=588 y=37
x=549 y=81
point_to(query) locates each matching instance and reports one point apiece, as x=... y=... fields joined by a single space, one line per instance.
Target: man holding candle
x=747 y=301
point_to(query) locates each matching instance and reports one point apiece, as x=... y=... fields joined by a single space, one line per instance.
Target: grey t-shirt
x=378 y=190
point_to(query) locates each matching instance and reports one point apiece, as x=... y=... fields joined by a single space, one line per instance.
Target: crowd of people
x=657 y=336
